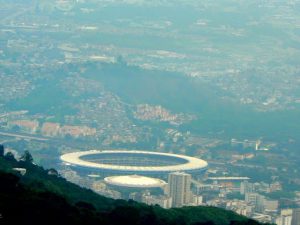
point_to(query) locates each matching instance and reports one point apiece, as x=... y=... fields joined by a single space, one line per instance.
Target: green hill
x=40 y=198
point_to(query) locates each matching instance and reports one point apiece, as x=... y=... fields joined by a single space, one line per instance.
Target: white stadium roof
x=135 y=181
x=191 y=163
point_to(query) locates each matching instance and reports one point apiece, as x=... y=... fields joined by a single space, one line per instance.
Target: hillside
x=40 y=198
x=215 y=109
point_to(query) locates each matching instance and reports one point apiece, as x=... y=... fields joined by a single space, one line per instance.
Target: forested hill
x=43 y=197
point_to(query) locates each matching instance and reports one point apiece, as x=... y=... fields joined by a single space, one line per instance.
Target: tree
x=27 y=157
x=52 y=172
x=10 y=156
x=1 y=150
x=85 y=205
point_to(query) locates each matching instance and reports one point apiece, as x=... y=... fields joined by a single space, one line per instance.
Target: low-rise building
x=77 y=131
x=28 y=126
x=162 y=200
x=50 y=129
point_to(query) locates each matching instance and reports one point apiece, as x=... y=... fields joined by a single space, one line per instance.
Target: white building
x=246 y=187
x=285 y=217
x=271 y=205
x=179 y=188
x=196 y=200
x=161 y=200
x=296 y=217
x=257 y=200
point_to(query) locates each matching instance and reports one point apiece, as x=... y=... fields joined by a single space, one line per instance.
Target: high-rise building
x=285 y=217
x=257 y=200
x=284 y=220
x=296 y=217
x=251 y=198
x=246 y=187
x=271 y=205
x=180 y=188
x=257 y=144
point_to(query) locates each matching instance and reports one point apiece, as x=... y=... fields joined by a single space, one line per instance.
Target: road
x=76 y=144
x=29 y=137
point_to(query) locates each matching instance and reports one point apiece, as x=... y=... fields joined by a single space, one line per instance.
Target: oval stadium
x=127 y=184
x=132 y=162
x=135 y=181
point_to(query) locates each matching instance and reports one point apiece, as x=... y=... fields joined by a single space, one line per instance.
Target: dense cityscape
x=217 y=81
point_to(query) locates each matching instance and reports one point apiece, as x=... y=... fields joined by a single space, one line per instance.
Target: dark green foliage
x=235 y=195
x=47 y=97
x=1 y=150
x=27 y=157
x=248 y=222
x=9 y=156
x=39 y=198
x=281 y=194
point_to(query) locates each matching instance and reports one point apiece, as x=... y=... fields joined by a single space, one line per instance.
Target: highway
x=29 y=137
x=76 y=144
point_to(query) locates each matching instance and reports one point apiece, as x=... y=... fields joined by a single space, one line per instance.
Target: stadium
x=118 y=162
x=128 y=184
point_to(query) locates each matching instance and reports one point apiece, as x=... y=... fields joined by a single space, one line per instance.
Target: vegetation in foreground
x=43 y=197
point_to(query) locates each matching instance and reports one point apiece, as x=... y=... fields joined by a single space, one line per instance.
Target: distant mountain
x=43 y=197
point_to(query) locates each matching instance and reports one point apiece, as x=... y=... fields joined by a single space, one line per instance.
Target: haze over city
x=152 y=105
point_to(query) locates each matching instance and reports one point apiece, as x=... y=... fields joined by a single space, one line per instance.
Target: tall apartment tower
x=180 y=188
x=296 y=217
x=285 y=217
x=284 y=220
x=246 y=187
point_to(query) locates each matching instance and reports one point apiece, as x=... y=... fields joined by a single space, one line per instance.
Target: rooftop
x=135 y=181
x=190 y=163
